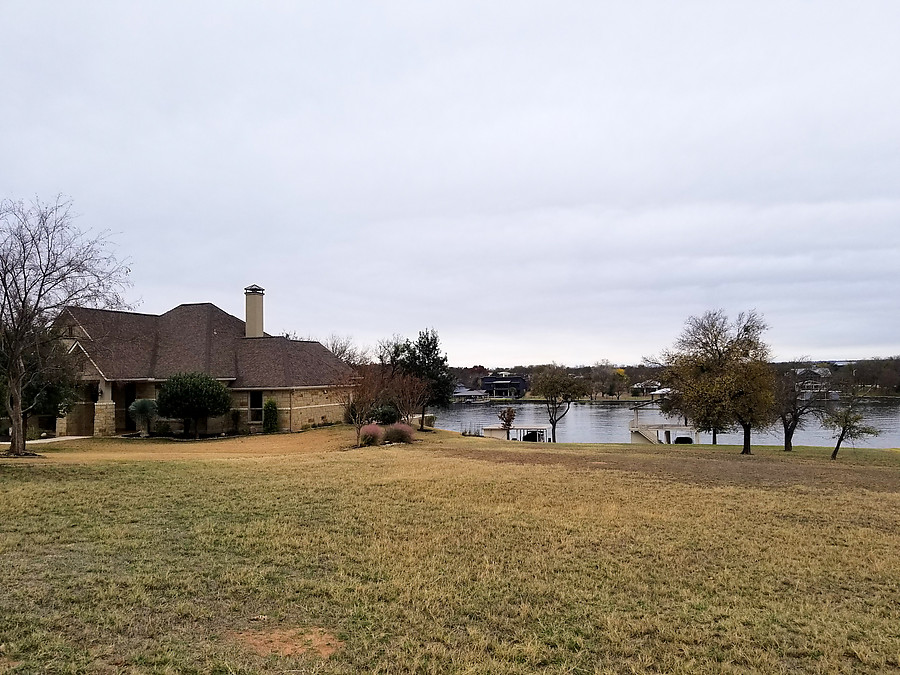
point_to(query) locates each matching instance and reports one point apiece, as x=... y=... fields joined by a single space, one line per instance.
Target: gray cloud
x=538 y=181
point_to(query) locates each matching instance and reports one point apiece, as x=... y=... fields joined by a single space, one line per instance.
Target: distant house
x=644 y=388
x=504 y=385
x=462 y=394
x=127 y=355
x=813 y=379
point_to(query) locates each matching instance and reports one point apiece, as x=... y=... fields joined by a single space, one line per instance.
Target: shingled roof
x=199 y=338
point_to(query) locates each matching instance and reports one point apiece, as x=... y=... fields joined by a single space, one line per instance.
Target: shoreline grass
x=454 y=555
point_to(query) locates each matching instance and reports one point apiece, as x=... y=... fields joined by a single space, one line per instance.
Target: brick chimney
x=254 y=315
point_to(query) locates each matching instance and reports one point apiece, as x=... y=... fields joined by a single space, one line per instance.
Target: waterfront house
x=128 y=355
x=462 y=394
x=504 y=385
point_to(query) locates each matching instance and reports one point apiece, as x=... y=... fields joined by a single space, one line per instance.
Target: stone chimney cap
x=253 y=288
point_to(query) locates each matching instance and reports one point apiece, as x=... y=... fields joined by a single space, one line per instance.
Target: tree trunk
x=422 y=421
x=838 y=445
x=789 y=436
x=17 y=432
x=553 y=431
x=715 y=436
x=196 y=428
x=746 y=450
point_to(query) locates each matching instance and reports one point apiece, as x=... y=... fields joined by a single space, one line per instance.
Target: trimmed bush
x=398 y=433
x=192 y=397
x=387 y=414
x=270 y=416
x=371 y=434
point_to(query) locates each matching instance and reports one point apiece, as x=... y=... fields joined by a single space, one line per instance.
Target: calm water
x=609 y=423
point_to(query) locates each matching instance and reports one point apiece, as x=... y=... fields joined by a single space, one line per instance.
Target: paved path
x=54 y=440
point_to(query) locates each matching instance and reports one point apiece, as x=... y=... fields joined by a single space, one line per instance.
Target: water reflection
x=608 y=422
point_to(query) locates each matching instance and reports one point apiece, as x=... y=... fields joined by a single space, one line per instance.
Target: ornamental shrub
x=143 y=411
x=192 y=397
x=398 y=433
x=371 y=434
x=387 y=414
x=270 y=416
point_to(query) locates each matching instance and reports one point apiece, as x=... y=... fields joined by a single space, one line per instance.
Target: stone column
x=105 y=418
x=105 y=411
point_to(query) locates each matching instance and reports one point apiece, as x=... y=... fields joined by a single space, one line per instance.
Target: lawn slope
x=295 y=553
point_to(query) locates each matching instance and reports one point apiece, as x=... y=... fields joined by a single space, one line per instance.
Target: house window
x=256 y=406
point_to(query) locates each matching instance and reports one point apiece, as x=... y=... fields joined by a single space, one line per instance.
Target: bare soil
x=289 y=641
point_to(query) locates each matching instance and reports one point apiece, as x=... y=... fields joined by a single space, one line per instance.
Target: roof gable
x=198 y=338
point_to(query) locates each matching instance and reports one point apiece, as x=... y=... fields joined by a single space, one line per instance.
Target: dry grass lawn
x=295 y=553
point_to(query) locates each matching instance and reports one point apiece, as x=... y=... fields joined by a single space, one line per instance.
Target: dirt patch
x=8 y=665
x=289 y=641
x=752 y=471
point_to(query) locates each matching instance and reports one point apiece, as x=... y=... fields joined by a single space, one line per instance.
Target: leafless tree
x=507 y=416
x=409 y=394
x=363 y=393
x=343 y=347
x=391 y=353
x=46 y=265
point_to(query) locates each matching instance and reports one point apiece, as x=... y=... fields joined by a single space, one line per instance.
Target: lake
x=608 y=422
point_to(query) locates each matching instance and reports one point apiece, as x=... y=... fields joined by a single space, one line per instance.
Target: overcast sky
x=539 y=181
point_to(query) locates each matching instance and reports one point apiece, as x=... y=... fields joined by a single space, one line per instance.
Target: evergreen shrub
x=387 y=414
x=270 y=416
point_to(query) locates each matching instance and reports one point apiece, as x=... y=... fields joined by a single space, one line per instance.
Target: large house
x=504 y=385
x=127 y=356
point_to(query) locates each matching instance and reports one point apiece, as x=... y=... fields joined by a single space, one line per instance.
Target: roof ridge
x=110 y=311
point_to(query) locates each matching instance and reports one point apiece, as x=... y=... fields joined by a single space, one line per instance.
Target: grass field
x=296 y=554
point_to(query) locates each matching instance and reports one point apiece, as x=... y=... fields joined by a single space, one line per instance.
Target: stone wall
x=79 y=421
x=315 y=406
x=297 y=408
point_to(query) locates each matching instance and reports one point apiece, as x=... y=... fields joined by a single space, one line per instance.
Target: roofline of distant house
x=232 y=379
x=113 y=311
x=156 y=379
x=305 y=386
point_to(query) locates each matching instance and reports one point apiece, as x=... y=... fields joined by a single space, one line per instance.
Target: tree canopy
x=558 y=389
x=719 y=374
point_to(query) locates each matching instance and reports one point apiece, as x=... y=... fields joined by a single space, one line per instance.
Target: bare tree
x=409 y=394
x=46 y=265
x=507 y=416
x=362 y=395
x=343 y=347
x=391 y=353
